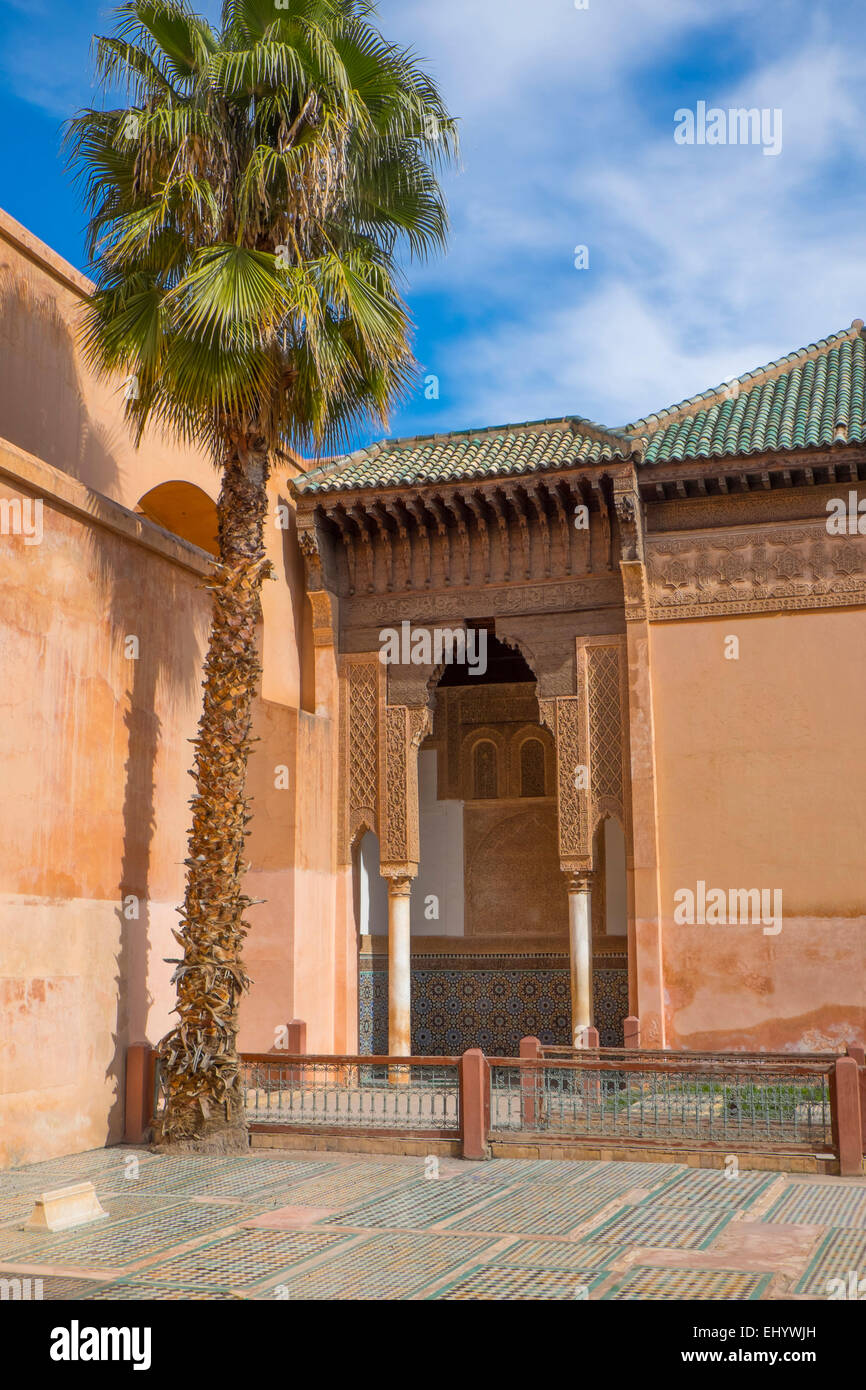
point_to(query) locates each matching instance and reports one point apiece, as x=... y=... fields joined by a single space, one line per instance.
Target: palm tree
x=247 y=206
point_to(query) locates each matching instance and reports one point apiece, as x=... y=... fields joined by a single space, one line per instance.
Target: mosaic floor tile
x=126 y=1241
x=206 y=1200
x=639 y=1174
x=648 y=1282
x=14 y=1238
x=505 y=1282
x=167 y=1175
x=340 y=1189
x=123 y=1205
x=611 y=1179
x=15 y=1208
x=820 y=1204
x=385 y=1267
x=417 y=1205
x=541 y=1210
x=839 y=1253
x=674 y=1228
x=708 y=1188
x=557 y=1254
x=242 y=1259
x=58 y=1287
x=133 y=1290
x=57 y=1172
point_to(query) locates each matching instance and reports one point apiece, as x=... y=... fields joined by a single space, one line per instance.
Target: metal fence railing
x=419 y=1095
x=732 y=1102
x=621 y=1095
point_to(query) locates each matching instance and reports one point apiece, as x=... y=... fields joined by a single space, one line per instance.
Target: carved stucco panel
x=401 y=730
x=361 y=689
x=755 y=571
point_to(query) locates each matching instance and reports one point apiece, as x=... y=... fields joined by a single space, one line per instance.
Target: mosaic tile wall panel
x=493 y=1009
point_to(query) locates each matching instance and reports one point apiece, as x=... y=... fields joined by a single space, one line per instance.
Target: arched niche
x=610 y=890
x=370 y=891
x=184 y=509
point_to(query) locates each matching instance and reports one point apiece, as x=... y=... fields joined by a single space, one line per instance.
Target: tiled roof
x=502 y=452
x=813 y=397
x=802 y=400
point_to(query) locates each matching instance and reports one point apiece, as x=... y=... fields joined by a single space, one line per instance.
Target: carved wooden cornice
x=773 y=471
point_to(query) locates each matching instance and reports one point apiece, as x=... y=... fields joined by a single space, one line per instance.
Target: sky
x=705 y=260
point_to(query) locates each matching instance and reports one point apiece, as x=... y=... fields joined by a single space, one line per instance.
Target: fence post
x=592 y=1083
x=530 y=1083
x=296 y=1045
x=859 y=1055
x=631 y=1031
x=474 y=1103
x=846 y=1116
x=138 y=1098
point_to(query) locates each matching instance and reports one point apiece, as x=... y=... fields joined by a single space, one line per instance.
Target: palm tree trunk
x=204 y=1095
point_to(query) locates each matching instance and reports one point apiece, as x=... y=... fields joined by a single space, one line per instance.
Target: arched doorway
x=489 y=908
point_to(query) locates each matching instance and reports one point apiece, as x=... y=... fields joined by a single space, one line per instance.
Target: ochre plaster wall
x=759 y=783
x=51 y=405
x=96 y=754
x=93 y=809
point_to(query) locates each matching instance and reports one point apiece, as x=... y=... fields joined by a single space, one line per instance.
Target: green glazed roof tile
x=799 y=401
x=503 y=452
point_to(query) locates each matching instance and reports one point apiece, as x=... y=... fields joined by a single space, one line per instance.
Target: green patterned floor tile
x=497 y=1282
x=124 y=1242
x=46 y=1288
x=341 y=1189
x=417 y=1205
x=242 y=1259
x=820 y=1204
x=175 y=1175
x=132 y=1290
x=392 y=1266
x=557 y=1254
x=649 y=1282
x=91 y=1166
x=841 y=1253
x=15 y=1209
x=708 y=1188
x=534 y=1210
x=675 y=1228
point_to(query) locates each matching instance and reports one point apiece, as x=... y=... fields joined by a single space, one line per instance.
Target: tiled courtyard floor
x=340 y=1226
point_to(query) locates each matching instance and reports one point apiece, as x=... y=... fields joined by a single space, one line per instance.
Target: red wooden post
x=530 y=1083
x=296 y=1046
x=859 y=1055
x=138 y=1100
x=474 y=1103
x=846 y=1116
x=592 y=1084
x=631 y=1031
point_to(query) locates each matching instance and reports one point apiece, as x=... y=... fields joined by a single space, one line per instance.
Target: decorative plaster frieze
x=755 y=571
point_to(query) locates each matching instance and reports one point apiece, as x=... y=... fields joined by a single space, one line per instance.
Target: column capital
x=579 y=880
x=399 y=881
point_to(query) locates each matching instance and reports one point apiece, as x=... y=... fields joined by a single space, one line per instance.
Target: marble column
x=580 y=954
x=399 y=967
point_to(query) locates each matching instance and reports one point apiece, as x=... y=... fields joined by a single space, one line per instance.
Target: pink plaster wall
x=758 y=765
x=95 y=747
x=94 y=751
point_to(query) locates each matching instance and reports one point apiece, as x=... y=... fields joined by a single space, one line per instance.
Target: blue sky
x=704 y=261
